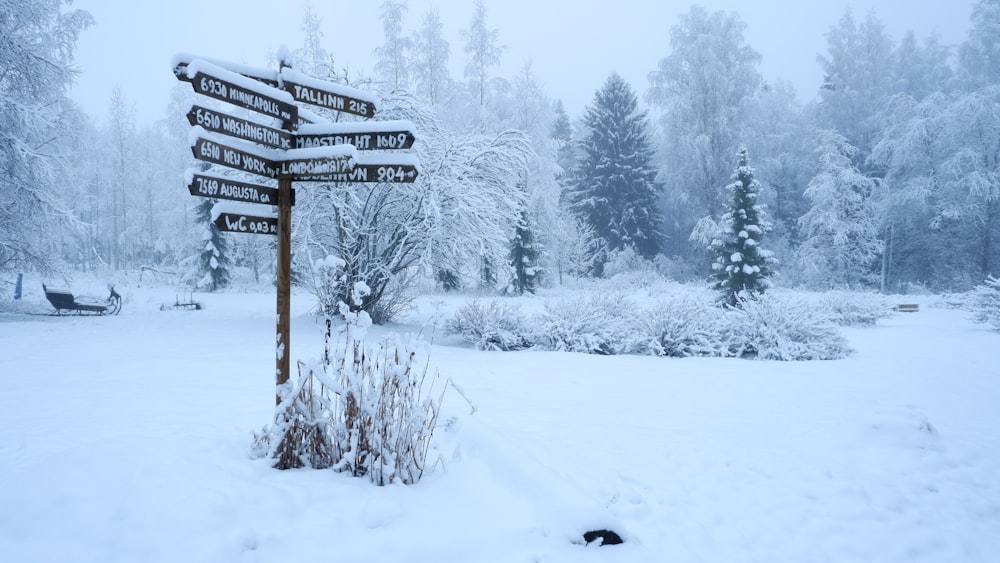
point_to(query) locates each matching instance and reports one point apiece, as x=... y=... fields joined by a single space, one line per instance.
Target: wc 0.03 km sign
x=238 y=223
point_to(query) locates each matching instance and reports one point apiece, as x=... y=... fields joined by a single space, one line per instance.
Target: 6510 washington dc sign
x=287 y=148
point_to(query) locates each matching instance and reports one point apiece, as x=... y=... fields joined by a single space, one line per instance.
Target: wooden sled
x=66 y=303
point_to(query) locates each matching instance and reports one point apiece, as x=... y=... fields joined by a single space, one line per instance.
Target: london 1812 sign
x=279 y=141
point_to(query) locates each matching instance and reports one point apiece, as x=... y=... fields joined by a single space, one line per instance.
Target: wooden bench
x=907 y=307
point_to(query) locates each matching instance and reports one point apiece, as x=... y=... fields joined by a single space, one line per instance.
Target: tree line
x=889 y=179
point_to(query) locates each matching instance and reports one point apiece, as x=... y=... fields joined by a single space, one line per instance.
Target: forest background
x=888 y=179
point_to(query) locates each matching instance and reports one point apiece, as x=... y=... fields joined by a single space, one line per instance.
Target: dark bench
x=907 y=307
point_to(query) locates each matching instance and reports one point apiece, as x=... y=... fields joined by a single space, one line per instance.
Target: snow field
x=127 y=438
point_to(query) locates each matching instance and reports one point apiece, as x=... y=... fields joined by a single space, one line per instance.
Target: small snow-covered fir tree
x=213 y=265
x=742 y=267
x=985 y=302
x=615 y=189
x=524 y=254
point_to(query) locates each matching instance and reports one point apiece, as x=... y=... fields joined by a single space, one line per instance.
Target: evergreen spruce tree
x=213 y=264
x=742 y=268
x=615 y=190
x=524 y=255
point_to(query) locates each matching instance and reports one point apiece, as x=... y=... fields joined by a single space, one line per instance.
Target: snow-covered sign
x=365 y=136
x=216 y=82
x=208 y=149
x=218 y=122
x=328 y=95
x=239 y=223
x=372 y=168
x=220 y=187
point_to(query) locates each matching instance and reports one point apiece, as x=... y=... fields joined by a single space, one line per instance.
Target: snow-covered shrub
x=768 y=328
x=301 y=434
x=625 y=260
x=598 y=324
x=985 y=302
x=497 y=325
x=851 y=308
x=364 y=409
x=683 y=327
x=384 y=414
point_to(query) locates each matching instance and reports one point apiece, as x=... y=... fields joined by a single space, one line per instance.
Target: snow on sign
x=216 y=82
x=367 y=173
x=365 y=136
x=218 y=122
x=328 y=95
x=220 y=187
x=239 y=223
x=212 y=151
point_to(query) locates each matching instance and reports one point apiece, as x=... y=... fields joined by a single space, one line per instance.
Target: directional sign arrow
x=308 y=167
x=219 y=187
x=217 y=153
x=368 y=173
x=239 y=223
x=329 y=99
x=365 y=136
x=218 y=122
x=216 y=82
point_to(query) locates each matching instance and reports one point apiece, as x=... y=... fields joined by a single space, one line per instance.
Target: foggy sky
x=572 y=44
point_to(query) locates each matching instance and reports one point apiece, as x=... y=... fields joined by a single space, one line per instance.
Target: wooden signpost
x=319 y=152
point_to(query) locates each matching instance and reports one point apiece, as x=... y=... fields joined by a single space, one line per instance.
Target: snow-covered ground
x=127 y=438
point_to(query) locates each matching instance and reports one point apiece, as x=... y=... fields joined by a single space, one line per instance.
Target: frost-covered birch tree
x=431 y=52
x=37 y=40
x=841 y=245
x=858 y=75
x=483 y=51
x=701 y=88
x=392 y=58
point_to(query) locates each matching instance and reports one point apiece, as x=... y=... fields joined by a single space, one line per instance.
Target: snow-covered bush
x=368 y=410
x=597 y=324
x=385 y=412
x=625 y=260
x=985 y=302
x=683 y=327
x=847 y=308
x=497 y=325
x=769 y=328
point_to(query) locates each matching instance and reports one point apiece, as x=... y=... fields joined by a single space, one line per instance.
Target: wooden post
x=283 y=350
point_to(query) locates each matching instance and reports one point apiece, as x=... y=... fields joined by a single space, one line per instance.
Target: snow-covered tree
x=985 y=302
x=911 y=153
x=979 y=56
x=923 y=67
x=702 y=88
x=483 y=51
x=211 y=271
x=742 y=268
x=37 y=40
x=969 y=202
x=615 y=189
x=393 y=57
x=841 y=244
x=430 y=59
x=524 y=258
x=858 y=77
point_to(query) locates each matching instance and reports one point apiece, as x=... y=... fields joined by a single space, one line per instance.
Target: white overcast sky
x=573 y=44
